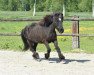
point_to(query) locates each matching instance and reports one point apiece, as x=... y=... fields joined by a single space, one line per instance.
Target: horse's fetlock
x=49 y=51
x=35 y=55
x=61 y=57
x=47 y=55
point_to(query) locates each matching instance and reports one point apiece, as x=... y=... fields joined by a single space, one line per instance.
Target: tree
x=13 y=5
x=72 y=5
x=40 y=5
x=57 y=5
x=93 y=8
x=85 y=5
x=47 y=5
x=4 y=4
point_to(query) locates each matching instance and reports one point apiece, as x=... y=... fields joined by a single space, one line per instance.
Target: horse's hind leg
x=33 y=49
x=35 y=54
x=47 y=55
x=58 y=50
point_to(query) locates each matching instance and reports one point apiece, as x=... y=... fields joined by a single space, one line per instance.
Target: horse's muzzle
x=61 y=30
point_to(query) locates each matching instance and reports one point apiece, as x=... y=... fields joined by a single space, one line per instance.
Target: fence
x=75 y=29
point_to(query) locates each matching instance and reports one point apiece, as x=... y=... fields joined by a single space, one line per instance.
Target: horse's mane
x=46 y=21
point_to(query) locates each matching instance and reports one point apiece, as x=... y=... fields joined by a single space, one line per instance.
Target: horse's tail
x=24 y=39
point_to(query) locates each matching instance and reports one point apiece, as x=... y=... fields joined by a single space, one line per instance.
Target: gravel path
x=22 y=63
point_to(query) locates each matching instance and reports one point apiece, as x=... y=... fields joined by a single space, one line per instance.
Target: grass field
x=65 y=42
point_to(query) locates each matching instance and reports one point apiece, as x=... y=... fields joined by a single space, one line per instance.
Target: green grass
x=65 y=42
x=12 y=27
x=10 y=43
x=87 y=44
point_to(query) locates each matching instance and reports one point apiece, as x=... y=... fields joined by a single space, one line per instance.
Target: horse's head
x=57 y=21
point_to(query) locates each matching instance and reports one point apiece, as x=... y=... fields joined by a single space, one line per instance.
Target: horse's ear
x=62 y=16
x=48 y=19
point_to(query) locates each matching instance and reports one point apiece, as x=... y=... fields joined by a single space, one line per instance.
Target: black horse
x=43 y=32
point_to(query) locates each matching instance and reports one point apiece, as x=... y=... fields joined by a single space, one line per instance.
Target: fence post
x=75 y=30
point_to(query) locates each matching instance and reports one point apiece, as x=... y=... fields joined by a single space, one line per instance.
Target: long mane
x=46 y=21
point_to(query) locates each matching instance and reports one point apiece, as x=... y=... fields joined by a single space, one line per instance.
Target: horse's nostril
x=62 y=30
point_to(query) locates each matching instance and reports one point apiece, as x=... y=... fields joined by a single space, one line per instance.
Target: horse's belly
x=37 y=37
x=51 y=39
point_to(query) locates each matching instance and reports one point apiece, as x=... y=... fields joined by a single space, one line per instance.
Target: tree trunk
x=93 y=8
x=63 y=9
x=34 y=12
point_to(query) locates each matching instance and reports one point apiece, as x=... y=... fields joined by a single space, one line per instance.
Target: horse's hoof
x=61 y=57
x=46 y=55
x=35 y=56
x=39 y=60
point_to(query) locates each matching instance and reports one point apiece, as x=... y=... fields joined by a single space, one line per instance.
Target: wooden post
x=78 y=33
x=75 y=30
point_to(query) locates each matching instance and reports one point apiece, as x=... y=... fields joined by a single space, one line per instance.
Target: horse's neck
x=52 y=28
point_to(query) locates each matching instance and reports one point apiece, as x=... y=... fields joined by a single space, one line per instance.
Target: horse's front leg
x=47 y=55
x=61 y=56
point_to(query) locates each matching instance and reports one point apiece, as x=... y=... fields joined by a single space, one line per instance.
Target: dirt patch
x=22 y=63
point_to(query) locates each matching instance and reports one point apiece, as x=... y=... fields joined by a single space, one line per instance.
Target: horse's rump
x=24 y=35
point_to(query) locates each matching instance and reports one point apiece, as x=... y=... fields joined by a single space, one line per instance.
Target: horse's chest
x=51 y=37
